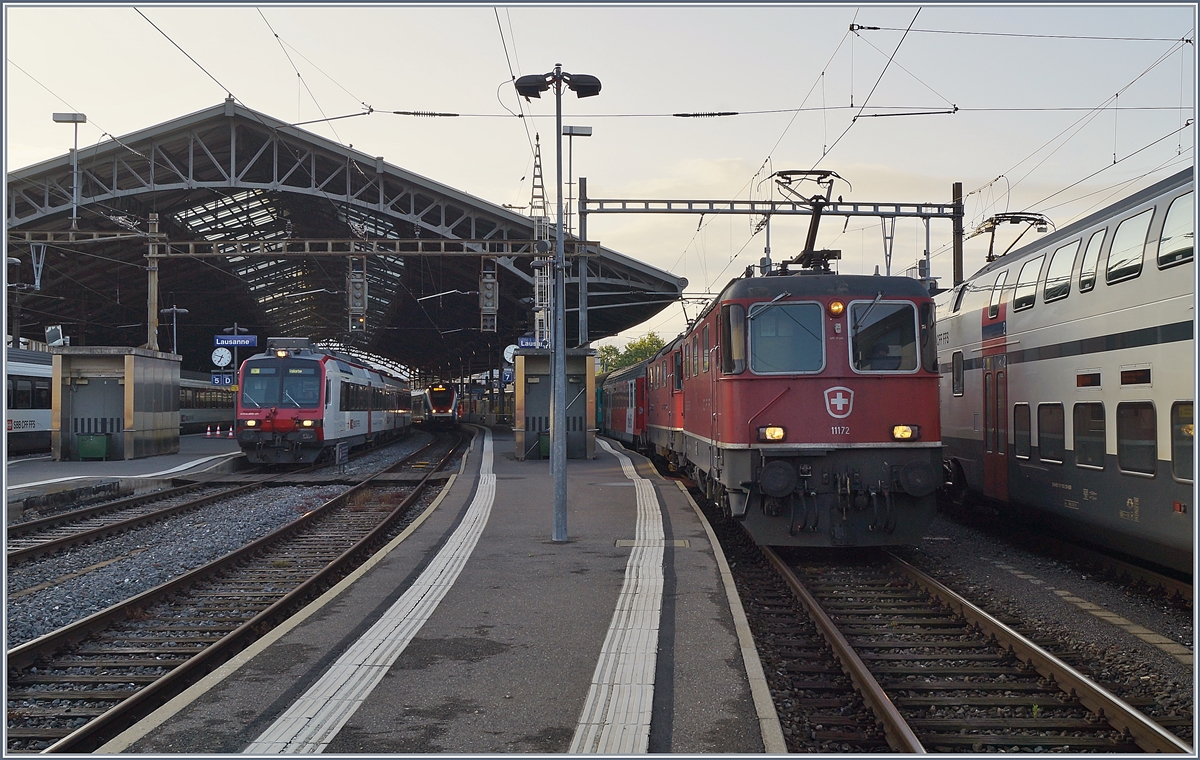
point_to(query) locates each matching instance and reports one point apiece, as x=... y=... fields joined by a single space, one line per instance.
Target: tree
x=610 y=357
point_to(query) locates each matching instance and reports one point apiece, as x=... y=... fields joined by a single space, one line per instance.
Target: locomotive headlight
x=836 y=308
x=906 y=432
x=771 y=433
x=307 y=423
x=281 y=353
x=251 y=423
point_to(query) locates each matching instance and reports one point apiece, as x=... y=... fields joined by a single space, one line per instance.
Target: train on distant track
x=296 y=404
x=443 y=407
x=203 y=407
x=804 y=404
x=1069 y=375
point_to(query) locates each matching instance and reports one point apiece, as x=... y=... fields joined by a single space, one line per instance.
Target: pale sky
x=1060 y=109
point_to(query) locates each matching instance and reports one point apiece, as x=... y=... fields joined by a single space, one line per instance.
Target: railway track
x=73 y=689
x=32 y=539
x=937 y=673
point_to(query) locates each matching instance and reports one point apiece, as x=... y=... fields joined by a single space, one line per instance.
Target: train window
x=301 y=388
x=328 y=391
x=989 y=434
x=678 y=371
x=1022 y=442
x=1175 y=243
x=929 y=337
x=8 y=382
x=687 y=359
x=787 y=337
x=1128 y=247
x=1058 y=276
x=41 y=394
x=1089 y=435
x=958 y=299
x=956 y=373
x=1051 y=432
x=704 y=344
x=1182 y=435
x=733 y=338
x=24 y=395
x=1137 y=437
x=695 y=356
x=1027 y=282
x=997 y=295
x=1091 y=257
x=883 y=336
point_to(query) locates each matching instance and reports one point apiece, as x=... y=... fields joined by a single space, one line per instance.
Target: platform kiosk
x=531 y=420
x=113 y=402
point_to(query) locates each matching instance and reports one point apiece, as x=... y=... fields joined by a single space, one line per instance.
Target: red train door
x=995 y=428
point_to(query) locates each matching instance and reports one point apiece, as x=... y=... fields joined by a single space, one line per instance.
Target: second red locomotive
x=805 y=405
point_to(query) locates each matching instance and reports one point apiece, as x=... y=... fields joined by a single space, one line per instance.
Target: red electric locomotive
x=806 y=405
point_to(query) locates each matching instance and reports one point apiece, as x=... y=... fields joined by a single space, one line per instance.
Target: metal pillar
x=583 y=265
x=558 y=411
x=152 y=288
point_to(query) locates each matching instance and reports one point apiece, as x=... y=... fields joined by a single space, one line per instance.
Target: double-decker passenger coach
x=1070 y=376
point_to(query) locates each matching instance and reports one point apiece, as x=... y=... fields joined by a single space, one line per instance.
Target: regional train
x=442 y=399
x=1069 y=374
x=203 y=407
x=297 y=403
x=803 y=404
x=27 y=379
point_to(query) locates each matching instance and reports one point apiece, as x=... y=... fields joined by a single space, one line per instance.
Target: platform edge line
x=768 y=718
x=155 y=719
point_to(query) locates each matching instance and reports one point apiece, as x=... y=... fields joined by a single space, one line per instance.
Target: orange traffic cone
x=208 y=432
x=231 y=431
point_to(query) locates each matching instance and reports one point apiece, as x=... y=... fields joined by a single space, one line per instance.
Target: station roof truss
x=256 y=222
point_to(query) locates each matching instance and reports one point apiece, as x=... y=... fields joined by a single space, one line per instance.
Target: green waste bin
x=93 y=445
x=544 y=445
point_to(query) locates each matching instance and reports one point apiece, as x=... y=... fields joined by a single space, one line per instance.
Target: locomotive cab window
x=1175 y=243
x=705 y=346
x=1128 y=248
x=1183 y=432
x=787 y=337
x=733 y=338
x=883 y=336
x=678 y=371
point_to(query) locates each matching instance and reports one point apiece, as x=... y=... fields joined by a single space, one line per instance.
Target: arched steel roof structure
x=231 y=176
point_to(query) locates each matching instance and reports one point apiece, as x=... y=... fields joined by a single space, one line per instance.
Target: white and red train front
x=296 y=404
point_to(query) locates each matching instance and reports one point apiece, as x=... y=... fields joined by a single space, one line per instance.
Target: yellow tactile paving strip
x=1181 y=653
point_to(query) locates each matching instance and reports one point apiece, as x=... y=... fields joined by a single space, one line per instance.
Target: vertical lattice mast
x=539 y=211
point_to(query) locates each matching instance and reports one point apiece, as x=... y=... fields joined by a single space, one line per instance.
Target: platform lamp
x=584 y=86
x=76 y=119
x=174 y=311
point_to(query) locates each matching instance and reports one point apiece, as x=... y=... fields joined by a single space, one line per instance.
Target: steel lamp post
x=584 y=86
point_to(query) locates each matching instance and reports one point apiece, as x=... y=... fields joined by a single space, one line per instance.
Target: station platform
x=474 y=632
x=32 y=483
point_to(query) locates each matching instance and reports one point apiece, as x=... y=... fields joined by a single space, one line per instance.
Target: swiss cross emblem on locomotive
x=839 y=401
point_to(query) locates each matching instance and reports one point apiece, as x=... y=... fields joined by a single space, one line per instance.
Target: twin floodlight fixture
x=533 y=85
